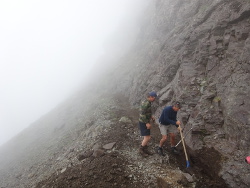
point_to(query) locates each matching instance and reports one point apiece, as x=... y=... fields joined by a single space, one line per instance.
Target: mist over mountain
x=196 y=52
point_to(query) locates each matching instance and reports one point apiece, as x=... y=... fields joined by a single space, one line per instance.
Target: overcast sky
x=46 y=49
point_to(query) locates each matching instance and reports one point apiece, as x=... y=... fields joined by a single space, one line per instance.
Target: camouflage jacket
x=145 y=111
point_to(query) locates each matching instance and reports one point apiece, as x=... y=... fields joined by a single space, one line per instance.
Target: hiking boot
x=145 y=149
x=142 y=153
x=174 y=150
x=160 y=151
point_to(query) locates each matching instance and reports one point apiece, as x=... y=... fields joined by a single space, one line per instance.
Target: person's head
x=247 y=159
x=152 y=96
x=177 y=106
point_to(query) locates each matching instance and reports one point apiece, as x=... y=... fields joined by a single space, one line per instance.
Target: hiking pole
x=184 y=147
x=183 y=137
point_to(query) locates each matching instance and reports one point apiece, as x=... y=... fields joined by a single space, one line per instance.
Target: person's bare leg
x=143 y=148
x=145 y=140
x=172 y=142
x=172 y=139
x=163 y=140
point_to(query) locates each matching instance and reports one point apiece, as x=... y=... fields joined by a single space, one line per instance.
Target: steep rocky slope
x=197 y=52
x=194 y=51
x=96 y=149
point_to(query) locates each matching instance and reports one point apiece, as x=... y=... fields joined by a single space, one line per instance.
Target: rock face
x=197 y=52
x=193 y=51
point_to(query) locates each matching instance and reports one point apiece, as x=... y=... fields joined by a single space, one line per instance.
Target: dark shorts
x=143 y=129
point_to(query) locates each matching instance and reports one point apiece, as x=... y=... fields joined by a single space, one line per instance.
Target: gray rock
x=98 y=153
x=96 y=146
x=109 y=146
x=63 y=170
x=188 y=177
x=125 y=120
x=85 y=155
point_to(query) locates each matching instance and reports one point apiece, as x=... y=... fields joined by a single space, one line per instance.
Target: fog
x=47 y=48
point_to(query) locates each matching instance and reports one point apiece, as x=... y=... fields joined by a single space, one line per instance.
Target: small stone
x=188 y=177
x=125 y=120
x=130 y=176
x=98 y=153
x=96 y=146
x=85 y=155
x=30 y=175
x=59 y=159
x=63 y=170
x=109 y=146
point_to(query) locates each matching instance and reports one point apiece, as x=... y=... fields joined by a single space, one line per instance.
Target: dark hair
x=177 y=104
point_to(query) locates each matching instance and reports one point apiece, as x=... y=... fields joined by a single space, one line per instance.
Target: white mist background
x=47 y=48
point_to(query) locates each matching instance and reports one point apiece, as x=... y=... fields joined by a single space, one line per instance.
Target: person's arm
x=148 y=125
x=177 y=124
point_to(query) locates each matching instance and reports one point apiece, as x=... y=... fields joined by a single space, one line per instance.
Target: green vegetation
x=217 y=99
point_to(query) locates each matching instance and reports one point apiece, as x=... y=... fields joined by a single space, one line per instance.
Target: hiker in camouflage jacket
x=144 y=122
